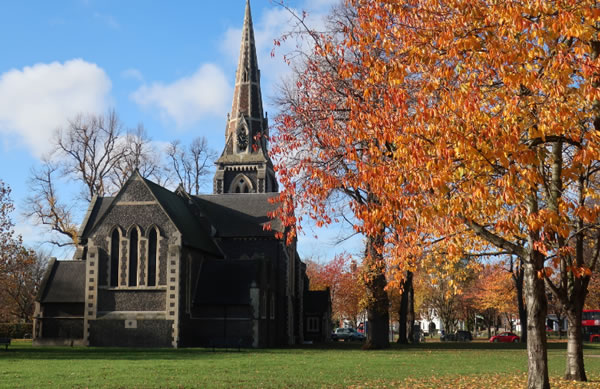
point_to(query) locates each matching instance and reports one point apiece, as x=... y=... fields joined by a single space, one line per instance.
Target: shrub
x=16 y=330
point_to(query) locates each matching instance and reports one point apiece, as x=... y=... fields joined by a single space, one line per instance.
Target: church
x=157 y=268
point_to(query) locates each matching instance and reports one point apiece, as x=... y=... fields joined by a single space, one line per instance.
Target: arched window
x=241 y=184
x=133 y=256
x=152 y=255
x=115 y=240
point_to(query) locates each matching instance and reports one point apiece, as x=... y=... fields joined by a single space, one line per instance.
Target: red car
x=507 y=337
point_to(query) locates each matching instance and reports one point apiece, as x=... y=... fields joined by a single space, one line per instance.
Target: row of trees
x=98 y=154
x=455 y=130
x=488 y=293
x=21 y=269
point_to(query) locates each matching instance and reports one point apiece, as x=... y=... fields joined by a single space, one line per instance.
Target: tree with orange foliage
x=311 y=159
x=593 y=298
x=341 y=276
x=493 y=293
x=20 y=269
x=475 y=128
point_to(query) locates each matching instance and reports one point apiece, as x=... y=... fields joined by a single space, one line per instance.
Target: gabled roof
x=97 y=209
x=193 y=233
x=176 y=208
x=238 y=215
x=317 y=301
x=64 y=282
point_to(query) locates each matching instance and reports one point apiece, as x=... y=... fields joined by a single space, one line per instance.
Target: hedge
x=16 y=330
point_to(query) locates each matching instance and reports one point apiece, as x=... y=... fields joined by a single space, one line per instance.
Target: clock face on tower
x=242 y=140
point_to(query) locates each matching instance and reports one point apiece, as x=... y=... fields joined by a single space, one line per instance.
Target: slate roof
x=226 y=282
x=98 y=208
x=65 y=283
x=193 y=233
x=316 y=301
x=238 y=215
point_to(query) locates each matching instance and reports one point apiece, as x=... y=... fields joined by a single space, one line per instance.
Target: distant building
x=168 y=269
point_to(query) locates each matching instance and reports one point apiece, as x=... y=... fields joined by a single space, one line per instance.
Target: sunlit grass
x=430 y=365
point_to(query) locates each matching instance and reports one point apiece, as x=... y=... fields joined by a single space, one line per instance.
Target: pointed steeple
x=246 y=131
x=247 y=97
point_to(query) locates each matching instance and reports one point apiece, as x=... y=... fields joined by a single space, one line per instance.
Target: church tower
x=245 y=166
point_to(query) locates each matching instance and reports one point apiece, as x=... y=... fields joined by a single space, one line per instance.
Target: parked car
x=347 y=334
x=458 y=336
x=505 y=337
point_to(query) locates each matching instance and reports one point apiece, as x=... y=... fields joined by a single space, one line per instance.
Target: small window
x=152 y=255
x=133 y=257
x=115 y=240
x=242 y=186
x=312 y=324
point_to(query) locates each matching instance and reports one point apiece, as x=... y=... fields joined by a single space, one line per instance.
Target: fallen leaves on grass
x=476 y=382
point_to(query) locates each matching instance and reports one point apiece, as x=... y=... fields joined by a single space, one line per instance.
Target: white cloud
x=133 y=74
x=38 y=99
x=187 y=100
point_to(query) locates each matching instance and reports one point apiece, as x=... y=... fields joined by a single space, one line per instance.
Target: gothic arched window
x=115 y=240
x=242 y=186
x=152 y=256
x=133 y=256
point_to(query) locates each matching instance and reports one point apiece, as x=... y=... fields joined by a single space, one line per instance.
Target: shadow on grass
x=24 y=351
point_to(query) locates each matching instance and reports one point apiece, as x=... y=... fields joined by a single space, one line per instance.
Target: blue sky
x=169 y=65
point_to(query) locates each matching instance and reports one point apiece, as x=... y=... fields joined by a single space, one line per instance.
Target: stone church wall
x=147 y=333
x=131 y=300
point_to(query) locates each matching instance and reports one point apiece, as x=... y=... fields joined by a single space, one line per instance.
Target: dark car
x=347 y=334
x=458 y=336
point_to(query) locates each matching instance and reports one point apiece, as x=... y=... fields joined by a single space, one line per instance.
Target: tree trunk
x=411 y=307
x=522 y=308
x=402 y=314
x=575 y=365
x=537 y=369
x=377 y=298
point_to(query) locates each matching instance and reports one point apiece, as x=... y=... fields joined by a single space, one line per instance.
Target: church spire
x=247 y=98
x=246 y=131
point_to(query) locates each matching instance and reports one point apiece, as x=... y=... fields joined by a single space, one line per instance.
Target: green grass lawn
x=430 y=365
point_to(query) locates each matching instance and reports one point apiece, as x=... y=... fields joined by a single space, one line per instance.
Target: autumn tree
x=341 y=276
x=493 y=294
x=474 y=125
x=318 y=178
x=19 y=284
x=593 y=299
x=20 y=269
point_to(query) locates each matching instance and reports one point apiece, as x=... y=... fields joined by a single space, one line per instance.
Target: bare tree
x=139 y=154
x=97 y=153
x=190 y=164
x=89 y=149
x=43 y=204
